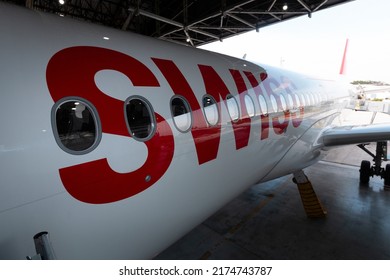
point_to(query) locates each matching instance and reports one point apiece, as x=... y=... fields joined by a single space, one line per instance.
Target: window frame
x=204 y=109
x=283 y=102
x=263 y=101
x=152 y=115
x=96 y=118
x=188 y=107
x=273 y=103
x=237 y=108
x=246 y=98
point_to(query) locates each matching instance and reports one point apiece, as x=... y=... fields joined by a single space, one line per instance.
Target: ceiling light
x=285 y=7
x=62 y=2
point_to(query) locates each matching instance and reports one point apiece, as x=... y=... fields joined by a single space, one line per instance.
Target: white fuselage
x=129 y=198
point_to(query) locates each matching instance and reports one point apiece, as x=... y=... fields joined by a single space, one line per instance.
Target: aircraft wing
x=347 y=135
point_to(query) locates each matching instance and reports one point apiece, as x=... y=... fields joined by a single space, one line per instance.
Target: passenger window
x=283 y=101
x=250 y=106
x=307 y=99
x=312 y=99
x=298 y=101
x=210 y=109
x=77 y=130
x=274 y=104
x=302 y=99
x=181 y=113
x=317 y=97
x=232 y=107
x=140 y=118
x=290 y=101
x=263 y=105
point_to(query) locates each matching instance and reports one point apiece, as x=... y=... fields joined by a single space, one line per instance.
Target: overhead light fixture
x=106 y=38
x=62 y=2
x=285 y=7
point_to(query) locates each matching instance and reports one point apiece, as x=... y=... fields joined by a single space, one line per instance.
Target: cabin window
x=283 y=102
x=76 y=126
x=307 y=99
x=263 y=105
x=250 y=106
x=290 y=101
x=181 y=113
x=232 y=107
x=317 y=97
x=312 y=99
x=210 y=110
x=298 y=101
x=302 y=99
x=274 y=104
x=140 y=118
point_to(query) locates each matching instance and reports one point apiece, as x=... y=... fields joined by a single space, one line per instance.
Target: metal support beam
x=272 y=5
x=172 y=22
x=219 y=13
x=185 y=16
x=129 y=19
x=192 y=25
x=189 y=37
x=262 y=12
x=177 y=20
x=320 y=5
x=304 y=5
x=241 y=20
x=278 y=18
x=204 y=33
x=223 y=28
x=170 y=32
x=131 y=16
x=271 y=14
x=174 y=41
x=157 y=17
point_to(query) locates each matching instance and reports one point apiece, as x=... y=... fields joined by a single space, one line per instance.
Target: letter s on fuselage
x=71 y=73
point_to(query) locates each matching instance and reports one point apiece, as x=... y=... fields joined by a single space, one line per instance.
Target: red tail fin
x=343 y=63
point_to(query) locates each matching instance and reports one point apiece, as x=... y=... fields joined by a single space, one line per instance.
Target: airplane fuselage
x=118 y=144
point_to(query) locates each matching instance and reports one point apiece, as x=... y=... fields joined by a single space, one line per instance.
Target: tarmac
x=268 y=221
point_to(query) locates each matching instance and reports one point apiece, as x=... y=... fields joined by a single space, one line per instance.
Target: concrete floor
x=268 y=221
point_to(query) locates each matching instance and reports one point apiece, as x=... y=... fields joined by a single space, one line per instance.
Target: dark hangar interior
x=189 y=22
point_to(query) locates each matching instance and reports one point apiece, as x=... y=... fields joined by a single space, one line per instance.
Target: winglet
x=343 y=63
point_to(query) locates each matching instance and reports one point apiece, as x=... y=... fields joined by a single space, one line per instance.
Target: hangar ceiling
x=189 y=22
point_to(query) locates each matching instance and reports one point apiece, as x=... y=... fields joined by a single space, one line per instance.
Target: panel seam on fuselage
x=288 y=150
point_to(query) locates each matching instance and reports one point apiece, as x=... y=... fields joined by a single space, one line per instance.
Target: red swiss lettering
x=264 y=117
x=286 y=84
x=279 y=126
x=71 y=72
x=206 y=138
x=242 y=127
x=215 y=87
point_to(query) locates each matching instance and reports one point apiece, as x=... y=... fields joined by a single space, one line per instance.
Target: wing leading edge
x=348 y=135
